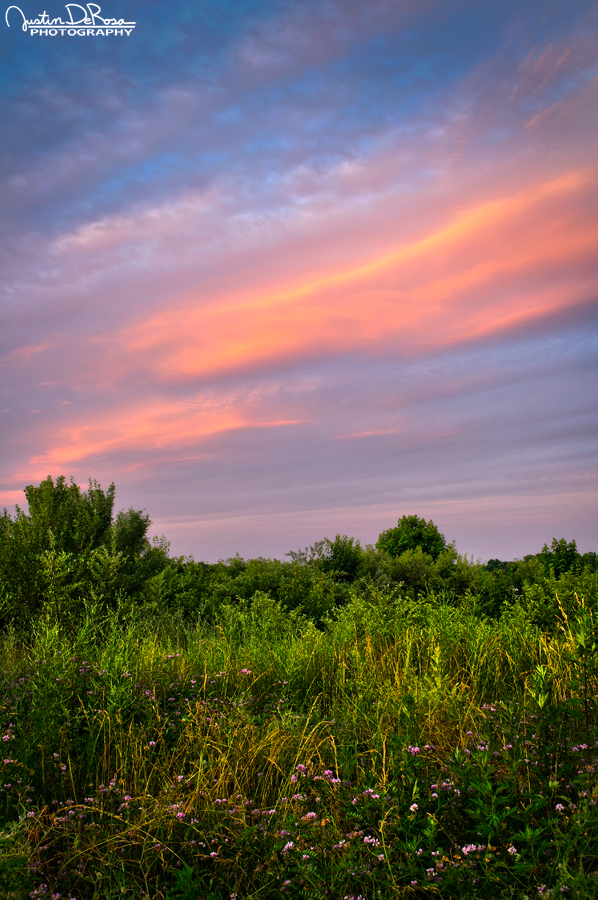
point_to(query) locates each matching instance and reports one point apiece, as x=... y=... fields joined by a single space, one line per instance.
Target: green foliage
x=412 y=533
x=341 y=557
x=385 y=721
x=130 y=532
x=200 y=590
x=560 y=557
x=21 y=586
x=260 y=622
x=186 y=887
x=66 y=550
x=70 y=519
x=411 y=745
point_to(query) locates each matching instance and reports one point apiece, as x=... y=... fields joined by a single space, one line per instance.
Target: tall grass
x=262 y=757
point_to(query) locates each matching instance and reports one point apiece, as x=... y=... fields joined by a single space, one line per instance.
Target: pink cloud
x=153 y=426
x=495 y=263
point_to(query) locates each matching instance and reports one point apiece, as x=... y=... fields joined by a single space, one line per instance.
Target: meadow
x=318 y=728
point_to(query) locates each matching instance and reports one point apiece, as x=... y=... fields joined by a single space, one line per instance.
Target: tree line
x=69 y=550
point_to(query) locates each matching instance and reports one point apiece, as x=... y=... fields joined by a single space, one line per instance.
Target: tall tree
x=410 y=533
x=561 y=556
x=69 y=519
x=64 y=548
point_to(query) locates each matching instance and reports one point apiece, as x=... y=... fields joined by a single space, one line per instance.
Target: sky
x=283 y=269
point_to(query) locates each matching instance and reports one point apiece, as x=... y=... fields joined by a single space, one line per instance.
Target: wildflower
x=371 y=794
x=512 y=850
x=472 y=848
x=288 y=846
x=414 y=807
x=245 y=671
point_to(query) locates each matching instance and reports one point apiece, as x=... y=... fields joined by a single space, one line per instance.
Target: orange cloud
x=175 y=426
x=508 y=258
x=360 y=434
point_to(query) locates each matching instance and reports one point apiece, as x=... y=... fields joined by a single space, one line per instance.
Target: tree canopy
x=77 y=520
x=67 y=543
x=69 y=550
x=410 y=533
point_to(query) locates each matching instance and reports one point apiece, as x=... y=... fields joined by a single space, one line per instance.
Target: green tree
x=412 y=533
x=341 y=557
x=68 y=519
x=67 y=550
x=560 y=556
x=130 y=532
x=21 y=577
